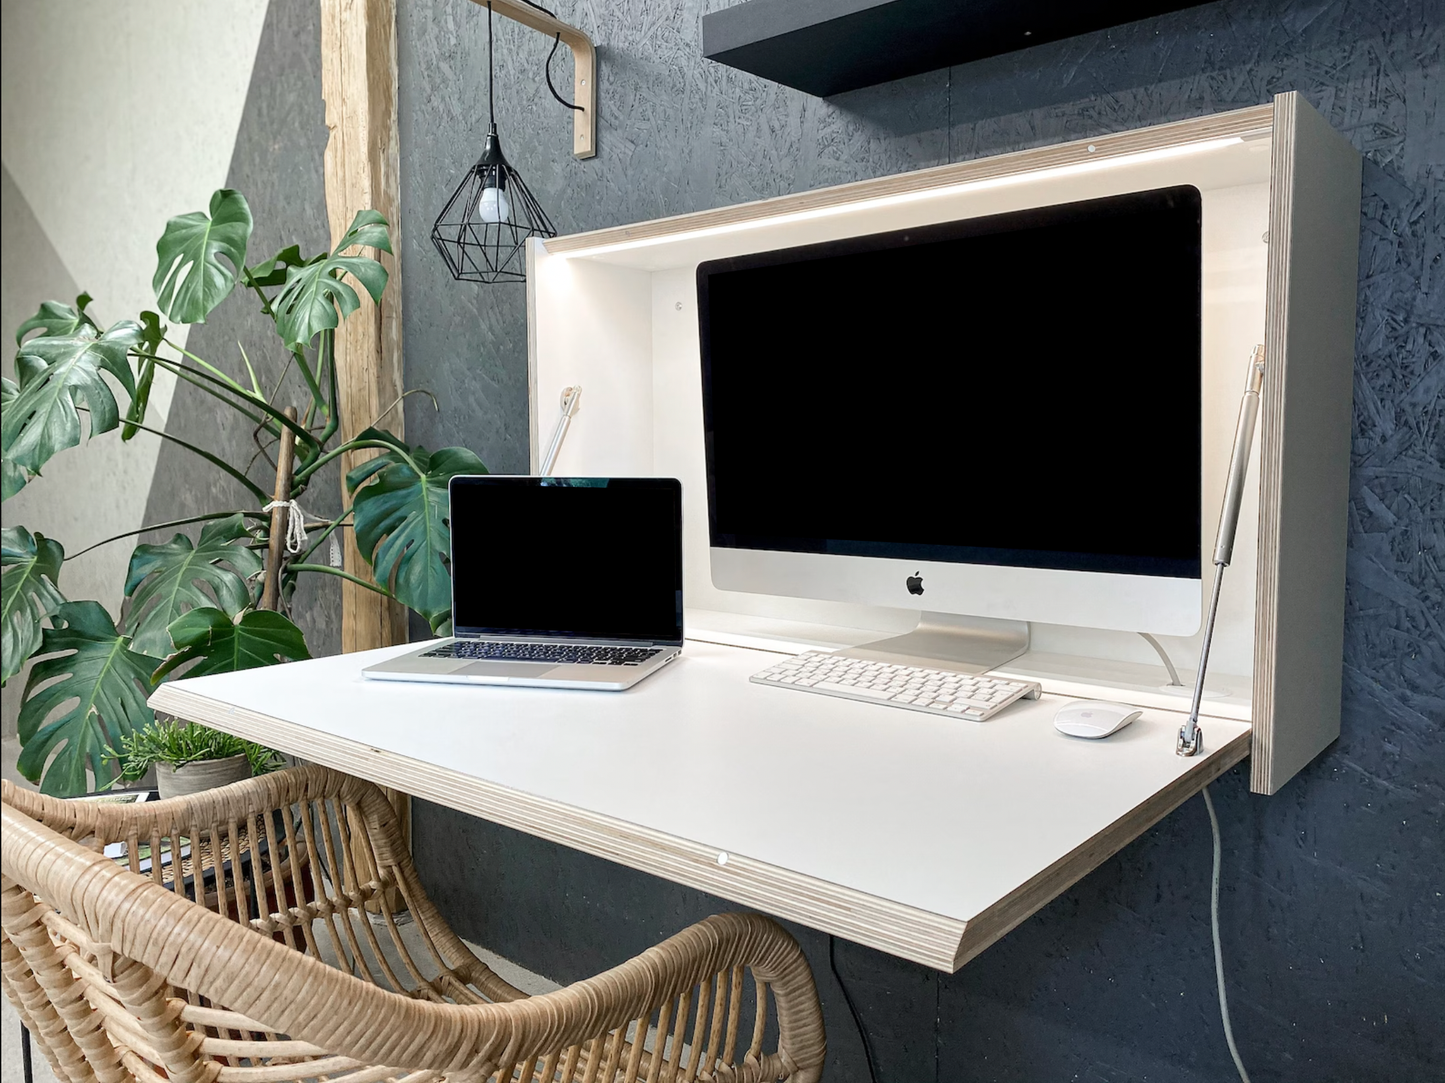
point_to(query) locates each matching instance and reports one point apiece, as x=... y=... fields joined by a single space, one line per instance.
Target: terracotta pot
x=200 y=775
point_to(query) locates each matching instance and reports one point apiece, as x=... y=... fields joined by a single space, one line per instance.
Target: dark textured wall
x=1332 y=904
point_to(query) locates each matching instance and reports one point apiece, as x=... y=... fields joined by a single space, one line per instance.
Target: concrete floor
x=11 y=1067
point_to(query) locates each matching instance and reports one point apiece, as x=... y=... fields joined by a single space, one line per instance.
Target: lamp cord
x=491 y=88
x=1214 y=932
x=556 y=41
x=857 y=1019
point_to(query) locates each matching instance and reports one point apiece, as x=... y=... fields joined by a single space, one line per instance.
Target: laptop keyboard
x=556 y=653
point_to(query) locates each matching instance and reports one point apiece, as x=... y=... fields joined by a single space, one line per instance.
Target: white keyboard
x=935 y=691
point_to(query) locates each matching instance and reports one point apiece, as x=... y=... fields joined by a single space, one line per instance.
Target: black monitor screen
x=599 y=558
x=1021 y=389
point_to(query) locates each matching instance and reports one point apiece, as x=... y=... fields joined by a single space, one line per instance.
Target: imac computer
x=997 y=418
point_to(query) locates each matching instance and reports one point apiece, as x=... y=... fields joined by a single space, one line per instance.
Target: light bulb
x=493 y=206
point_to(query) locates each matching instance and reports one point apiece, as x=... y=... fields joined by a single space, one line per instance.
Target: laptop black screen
x=595 y=558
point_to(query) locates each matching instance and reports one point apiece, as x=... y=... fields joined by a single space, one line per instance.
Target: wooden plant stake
x=276 y=546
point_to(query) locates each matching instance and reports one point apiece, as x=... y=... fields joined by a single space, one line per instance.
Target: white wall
x=115 y=117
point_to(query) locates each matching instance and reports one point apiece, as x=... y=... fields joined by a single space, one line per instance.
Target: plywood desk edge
x=921 y=936
x=989 y=926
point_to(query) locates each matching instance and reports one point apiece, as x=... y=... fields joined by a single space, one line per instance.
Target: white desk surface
x=925 y=838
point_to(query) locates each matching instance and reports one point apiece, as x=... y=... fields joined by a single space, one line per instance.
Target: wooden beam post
x=359 y=84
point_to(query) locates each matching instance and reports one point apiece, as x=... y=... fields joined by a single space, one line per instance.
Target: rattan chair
x=251 y=941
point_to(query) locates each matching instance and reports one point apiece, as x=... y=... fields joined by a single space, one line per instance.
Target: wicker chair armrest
x=659 y=975
x=109 y=821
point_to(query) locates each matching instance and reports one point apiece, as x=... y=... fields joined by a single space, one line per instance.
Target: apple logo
x=914 y=583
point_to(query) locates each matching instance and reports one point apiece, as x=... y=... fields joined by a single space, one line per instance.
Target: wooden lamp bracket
x=584 y=79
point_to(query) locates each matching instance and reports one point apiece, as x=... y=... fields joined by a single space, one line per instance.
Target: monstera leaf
x=166 y=580
x=57 y=373
x=273 y=271
x=81 y=701
x=218 y=644
x=400 y=516
x=57 y=319
x=190 y=279
x=152 y=334
x=31 y=568
x=315 y=293
x=12 y=478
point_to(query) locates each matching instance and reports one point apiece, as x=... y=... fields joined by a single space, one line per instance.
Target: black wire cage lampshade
x=482 y=231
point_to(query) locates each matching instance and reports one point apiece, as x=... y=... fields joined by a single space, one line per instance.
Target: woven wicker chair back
x=276 y=930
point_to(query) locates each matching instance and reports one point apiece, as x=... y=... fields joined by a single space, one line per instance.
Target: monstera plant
x=195 y=605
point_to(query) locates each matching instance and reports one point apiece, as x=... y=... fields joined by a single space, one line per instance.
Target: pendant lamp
x=482 y=231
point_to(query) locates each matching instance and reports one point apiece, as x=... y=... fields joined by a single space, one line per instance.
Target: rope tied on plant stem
x=295 y=524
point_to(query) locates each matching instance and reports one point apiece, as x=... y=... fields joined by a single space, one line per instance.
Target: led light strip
x=982 y=184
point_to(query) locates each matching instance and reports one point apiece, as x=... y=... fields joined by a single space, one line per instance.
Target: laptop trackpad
x=505 y=669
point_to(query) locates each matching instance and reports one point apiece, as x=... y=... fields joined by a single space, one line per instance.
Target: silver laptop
x=558 y=583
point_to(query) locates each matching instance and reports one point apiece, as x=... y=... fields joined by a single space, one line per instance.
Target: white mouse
x=1092 y=718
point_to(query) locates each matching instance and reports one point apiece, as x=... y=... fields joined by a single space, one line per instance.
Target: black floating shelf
x=825 y=47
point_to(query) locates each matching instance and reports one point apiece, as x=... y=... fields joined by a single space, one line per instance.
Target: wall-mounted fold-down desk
x=925 y=838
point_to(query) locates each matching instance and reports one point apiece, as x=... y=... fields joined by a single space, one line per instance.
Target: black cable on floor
x=857 y=1019
x=937 y=1015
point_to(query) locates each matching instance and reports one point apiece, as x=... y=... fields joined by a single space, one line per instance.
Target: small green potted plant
x=189 y=757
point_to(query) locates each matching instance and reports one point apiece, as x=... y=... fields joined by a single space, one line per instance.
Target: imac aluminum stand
x=945 y=641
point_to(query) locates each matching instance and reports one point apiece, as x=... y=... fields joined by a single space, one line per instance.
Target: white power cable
x=1214 y=930
x=1174 y=681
